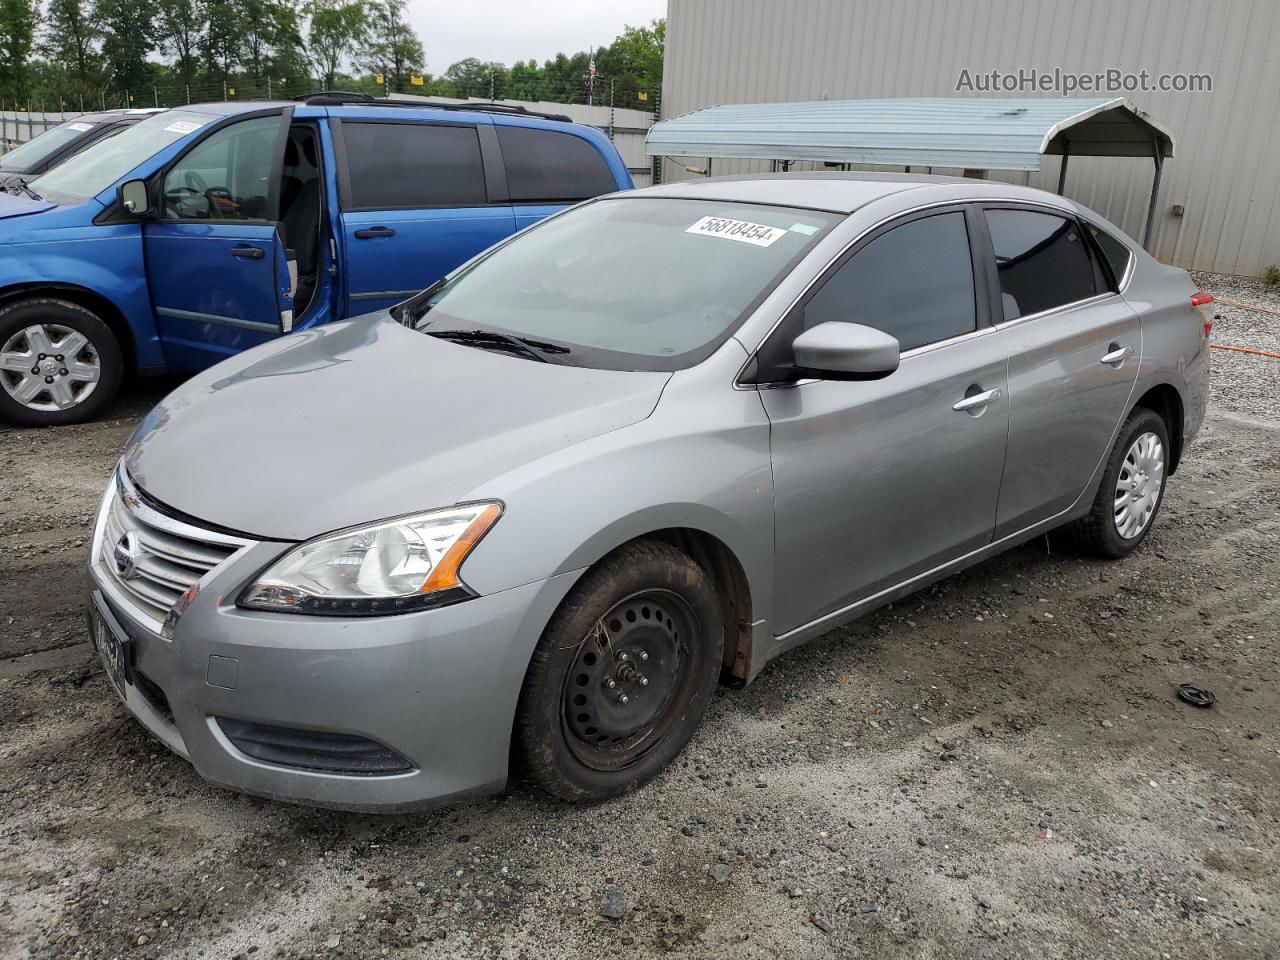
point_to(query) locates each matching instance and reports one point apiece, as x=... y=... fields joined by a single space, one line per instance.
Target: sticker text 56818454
x=741 y=230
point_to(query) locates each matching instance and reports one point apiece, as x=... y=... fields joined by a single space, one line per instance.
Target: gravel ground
x=994 y=768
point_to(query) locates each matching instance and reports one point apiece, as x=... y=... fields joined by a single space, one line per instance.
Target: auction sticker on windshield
x=740 y=230
x=182 y=126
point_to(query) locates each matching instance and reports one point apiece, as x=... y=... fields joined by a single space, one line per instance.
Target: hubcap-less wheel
x=1138 y=486
x=619 y=693
x=49 y=367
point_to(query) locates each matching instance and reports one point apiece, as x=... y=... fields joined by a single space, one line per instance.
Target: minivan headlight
x=396 y=566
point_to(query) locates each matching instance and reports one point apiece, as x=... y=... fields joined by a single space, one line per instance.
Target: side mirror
x=845 y=351
x=133 y=197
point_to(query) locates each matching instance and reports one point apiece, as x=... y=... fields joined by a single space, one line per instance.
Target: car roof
x=837 y=191
x=374 y=110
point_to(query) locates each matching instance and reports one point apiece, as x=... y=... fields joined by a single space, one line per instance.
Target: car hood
x=20 y=205
x=362 y=420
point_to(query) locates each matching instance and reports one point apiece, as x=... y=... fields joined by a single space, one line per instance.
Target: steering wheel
x=195 y=182
x=175 y=197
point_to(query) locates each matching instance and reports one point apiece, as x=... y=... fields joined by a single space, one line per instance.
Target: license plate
x=113 y=646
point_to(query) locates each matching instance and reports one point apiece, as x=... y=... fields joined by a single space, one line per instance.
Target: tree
x=394 y=50
x=184 y=25
x=473 y=78
x=18 y=19
x=258 y=34
x=128 y=36
x=336 y=29
x=71 y=33
x=220 y=45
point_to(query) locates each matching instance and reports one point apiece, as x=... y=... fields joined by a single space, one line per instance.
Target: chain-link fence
x=621 y=110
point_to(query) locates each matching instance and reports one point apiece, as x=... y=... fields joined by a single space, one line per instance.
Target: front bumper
x=438 y=687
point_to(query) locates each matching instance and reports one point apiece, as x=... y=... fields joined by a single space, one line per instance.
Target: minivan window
x=227 y=176
x=90 y=172
x=1116 y=253
x=914 y=282
x=35 y=151
x=630 y=283
x=406 y=165
x=543 y=165
x=1041 y=259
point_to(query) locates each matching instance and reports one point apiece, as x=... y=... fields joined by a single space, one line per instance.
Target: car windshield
x=90 y=172
x=625 y=283
x=32 y=153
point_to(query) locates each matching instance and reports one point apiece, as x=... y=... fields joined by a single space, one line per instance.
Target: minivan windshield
x=90 y=172
x=32 y=153
x=627 y=283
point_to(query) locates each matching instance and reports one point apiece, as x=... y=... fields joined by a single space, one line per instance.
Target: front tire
x=1132 y=488
x=59 y=363
x=622 y=675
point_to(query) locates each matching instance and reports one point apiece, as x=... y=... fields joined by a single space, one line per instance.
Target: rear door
x=215 y=264
x=546 y=170
x=1074 y=349
x=415 y=203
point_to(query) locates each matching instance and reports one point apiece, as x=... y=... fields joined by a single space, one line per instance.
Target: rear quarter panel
x=1174 y=348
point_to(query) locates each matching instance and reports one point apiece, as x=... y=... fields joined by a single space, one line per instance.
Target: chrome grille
x=151 y=558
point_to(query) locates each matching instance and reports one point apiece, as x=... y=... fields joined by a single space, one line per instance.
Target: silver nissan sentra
x=531 y=516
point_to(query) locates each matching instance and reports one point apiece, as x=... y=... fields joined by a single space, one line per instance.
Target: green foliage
x=18 y=19
x=336 y=29
x=88 y=53
x=1272 y=274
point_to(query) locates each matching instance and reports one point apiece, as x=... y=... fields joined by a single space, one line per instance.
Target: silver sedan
x=539 y=510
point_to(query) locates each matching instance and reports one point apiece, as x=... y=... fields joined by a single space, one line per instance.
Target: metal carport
x=970 y=133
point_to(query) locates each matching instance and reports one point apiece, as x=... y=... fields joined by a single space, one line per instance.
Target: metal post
x=611 y=110
x=82 y=101
x=1062 y=171
x=269 y=86
x=1155 y=194
x=155 y=94
x=491 y=86
x=708 y=173
x=224 y=91
x=188 y=89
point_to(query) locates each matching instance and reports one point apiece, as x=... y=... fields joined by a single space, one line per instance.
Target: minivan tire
x=634 y=602
x=102 y=346
x=1097 y=532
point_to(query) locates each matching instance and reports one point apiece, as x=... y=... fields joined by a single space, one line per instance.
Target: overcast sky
x=510 y=30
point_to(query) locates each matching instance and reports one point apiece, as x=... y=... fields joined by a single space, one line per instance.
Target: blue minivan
x=204 y=230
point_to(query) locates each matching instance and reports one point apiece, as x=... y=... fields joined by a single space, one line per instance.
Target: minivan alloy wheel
x=1138 y=486
x=48 y=366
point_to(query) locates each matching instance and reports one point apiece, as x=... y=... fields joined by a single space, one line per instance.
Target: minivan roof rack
x=339 y=98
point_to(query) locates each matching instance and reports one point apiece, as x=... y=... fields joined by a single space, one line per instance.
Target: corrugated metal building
x=1226 y=171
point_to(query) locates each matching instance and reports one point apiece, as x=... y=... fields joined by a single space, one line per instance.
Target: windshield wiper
x=28 y=191
x=530 y=349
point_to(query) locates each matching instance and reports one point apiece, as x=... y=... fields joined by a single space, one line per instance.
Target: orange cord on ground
x=1260 y=353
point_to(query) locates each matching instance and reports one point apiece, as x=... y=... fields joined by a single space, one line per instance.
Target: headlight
x=392 y=567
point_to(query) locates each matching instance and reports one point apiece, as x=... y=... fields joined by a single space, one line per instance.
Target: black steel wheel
x=622 y=675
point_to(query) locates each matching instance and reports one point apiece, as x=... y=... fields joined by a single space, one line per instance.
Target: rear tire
x=59 y=363
x=1132 y=488
x=622 y=675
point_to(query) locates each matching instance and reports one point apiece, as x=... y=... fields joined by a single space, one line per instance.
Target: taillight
x=1202 y=300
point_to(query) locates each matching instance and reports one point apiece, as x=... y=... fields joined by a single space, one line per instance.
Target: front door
x=1074 y=347
x=414 y=206
x=216 y=266
x=879 y=481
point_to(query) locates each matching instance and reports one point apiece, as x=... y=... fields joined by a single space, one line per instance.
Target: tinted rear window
x=1116 y=253
x=1042 y=261
x=545 y=165
x=394 y=165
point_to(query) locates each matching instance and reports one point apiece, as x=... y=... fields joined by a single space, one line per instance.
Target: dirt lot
x=995 y=768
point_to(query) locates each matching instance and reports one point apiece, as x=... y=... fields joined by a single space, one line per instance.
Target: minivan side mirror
x=134 y=198
x=845 y=351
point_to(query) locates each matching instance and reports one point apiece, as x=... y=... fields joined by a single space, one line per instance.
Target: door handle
x=375 y=232
x=977 y=401
x=253 y=253
x=1116 y=355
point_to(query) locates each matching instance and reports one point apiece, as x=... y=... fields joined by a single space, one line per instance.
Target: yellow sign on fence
x=418 y=81
x=379 y=79
x=642 y=95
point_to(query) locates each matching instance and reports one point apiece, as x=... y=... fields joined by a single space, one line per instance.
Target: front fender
x=698 y=463
x=104 y=260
